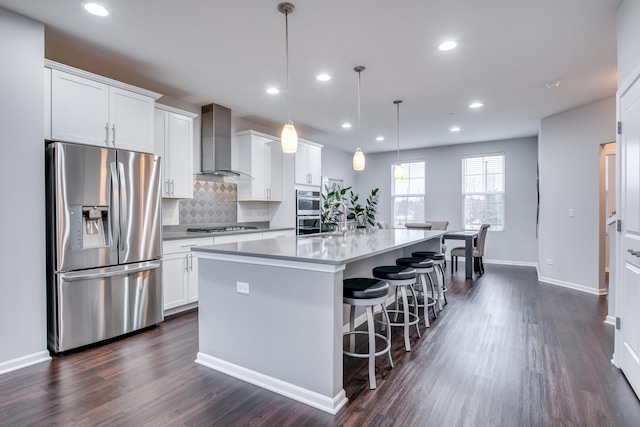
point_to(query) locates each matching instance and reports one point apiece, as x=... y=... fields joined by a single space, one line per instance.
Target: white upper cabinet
x=259 y=156
x=90 y=109
x=308 y=163
x=174 y=143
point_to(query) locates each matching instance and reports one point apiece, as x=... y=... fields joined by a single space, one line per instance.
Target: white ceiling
x=229 y=52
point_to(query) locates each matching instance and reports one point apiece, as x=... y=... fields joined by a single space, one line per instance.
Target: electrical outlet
x=549 y=262
x=243 y=288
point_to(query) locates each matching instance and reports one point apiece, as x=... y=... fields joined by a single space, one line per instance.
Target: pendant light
x=358 y=156
x=397 y=170
x=289 y=138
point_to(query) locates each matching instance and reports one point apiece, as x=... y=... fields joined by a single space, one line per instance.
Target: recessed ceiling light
x=455 y=129
x=323 y=77
x=552 y=85
x=380 y=138
x=476 y=105
x=95 y=9
x=448 y=45
x=273 y=90
x=346 y=125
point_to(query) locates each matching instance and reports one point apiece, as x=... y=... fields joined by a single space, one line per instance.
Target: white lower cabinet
x=180 y=266
x=180 y=272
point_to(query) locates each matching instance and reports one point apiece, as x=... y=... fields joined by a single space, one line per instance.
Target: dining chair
x=478 y=251
x=383 y=225
x=440 y=225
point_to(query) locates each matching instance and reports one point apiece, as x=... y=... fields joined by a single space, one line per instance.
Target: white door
x=315 y=166
x=302 y=164
x=79 y=110
x=131 y=117
x=628 y=337
x=180 y=157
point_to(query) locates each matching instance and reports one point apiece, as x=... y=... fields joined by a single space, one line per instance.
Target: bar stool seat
x=423 y=267
x=403 y=278
x=438 y=259
x=367 y=293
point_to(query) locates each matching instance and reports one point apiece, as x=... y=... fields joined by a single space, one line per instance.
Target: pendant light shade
x=358 y=156
x=397 y=170
x=289 y=138
x=358 y=160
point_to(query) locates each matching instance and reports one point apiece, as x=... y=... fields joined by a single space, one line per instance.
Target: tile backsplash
x=213 y=202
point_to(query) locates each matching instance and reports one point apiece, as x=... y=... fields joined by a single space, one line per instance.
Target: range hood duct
x=215 y=143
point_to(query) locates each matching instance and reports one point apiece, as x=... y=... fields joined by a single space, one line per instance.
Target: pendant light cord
x=359 y=109
x=398 y=122
x=286 y=32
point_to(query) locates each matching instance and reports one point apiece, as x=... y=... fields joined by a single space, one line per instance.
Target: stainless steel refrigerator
x=104 y=247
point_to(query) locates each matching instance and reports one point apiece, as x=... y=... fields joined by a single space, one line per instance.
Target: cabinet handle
x=168 y=190
x=634 y=253
x=113 y=128
x=106 y=129
x=186 y=263
x=189 y=246
x=173 y=187
x=191 y=262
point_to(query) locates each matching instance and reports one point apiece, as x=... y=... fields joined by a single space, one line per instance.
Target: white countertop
x=326 y=249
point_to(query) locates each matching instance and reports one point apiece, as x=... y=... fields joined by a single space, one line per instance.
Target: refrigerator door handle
x=76 y=277
x=123 y=211
x=115 y=207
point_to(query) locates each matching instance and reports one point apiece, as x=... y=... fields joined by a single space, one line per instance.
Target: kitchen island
x=271 y=311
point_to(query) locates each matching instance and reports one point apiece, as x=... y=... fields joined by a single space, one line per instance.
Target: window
x=483 y=191
x=408 y=194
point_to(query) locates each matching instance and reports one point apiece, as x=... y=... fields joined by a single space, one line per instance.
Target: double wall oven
x=308 y=205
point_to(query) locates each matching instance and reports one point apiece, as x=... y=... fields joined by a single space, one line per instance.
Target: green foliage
x=331 y=212
x=367 y=214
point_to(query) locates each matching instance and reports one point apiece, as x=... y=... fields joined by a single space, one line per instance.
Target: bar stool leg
x=415 y=308
x=372 y=347
x=425 y=297
x=388 y=327
x=352 y=322
x=405 y=304
x=435 y=293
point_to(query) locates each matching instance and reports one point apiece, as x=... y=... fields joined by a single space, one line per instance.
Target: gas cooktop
x=221 y=229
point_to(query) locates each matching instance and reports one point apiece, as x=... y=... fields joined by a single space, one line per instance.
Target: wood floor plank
x=506 y=351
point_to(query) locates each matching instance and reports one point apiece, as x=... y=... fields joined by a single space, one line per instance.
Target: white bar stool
x=403 y=278
x=367 y=293
x=438 y=259
x=423 y=268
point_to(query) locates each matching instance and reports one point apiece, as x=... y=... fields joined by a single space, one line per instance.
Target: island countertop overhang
x=325 y=249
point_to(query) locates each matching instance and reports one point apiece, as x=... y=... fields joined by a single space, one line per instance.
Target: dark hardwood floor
x=506 y=351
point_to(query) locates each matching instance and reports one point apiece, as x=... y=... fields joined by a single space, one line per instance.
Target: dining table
x=469 y=237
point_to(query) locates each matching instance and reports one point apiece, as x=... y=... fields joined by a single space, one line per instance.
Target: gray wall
x=339 y=165
x=628 y=39
x=517 y=243
x=22 y=253
x=569 y=153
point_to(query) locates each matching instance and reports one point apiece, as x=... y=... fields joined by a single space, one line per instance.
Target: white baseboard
x=610 y=320
x=24 y=361
x=325 y=403
x=575 y=286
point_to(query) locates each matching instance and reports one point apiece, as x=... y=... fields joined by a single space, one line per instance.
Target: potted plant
x=363 y=215
x=331 y=213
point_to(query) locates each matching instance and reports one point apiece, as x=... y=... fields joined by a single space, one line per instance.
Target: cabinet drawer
x=185 y=245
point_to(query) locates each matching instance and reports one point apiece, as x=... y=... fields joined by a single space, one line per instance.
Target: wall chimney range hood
x=215 y=143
